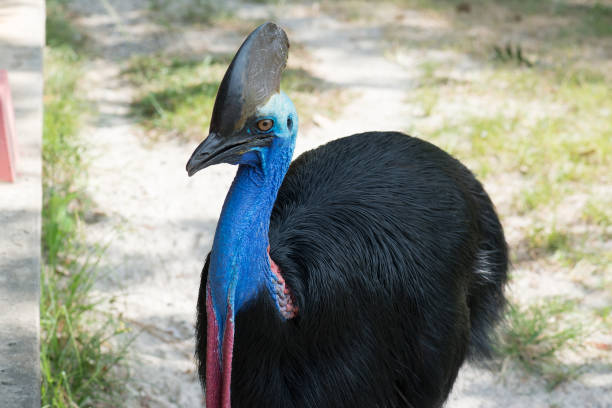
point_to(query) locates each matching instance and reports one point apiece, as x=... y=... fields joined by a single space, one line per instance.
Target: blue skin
x=239 y=265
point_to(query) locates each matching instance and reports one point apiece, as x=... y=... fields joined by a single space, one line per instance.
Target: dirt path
x=159 y=223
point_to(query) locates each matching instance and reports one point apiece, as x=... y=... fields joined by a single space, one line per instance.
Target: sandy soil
x=159 y=223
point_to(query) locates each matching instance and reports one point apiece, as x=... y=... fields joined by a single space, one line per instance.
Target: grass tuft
x=80 y=360
x=536 y=336
x=511 y=53
x=60 y=32
x=80 y=354
x=551 y=240
x=597 y=213
x=176 y=95
x=196 y=12
x=62 y=154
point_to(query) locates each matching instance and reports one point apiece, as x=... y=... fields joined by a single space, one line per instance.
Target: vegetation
x=198 y=12
x=537 y=335
x=59 y=30
x=78 y=354
x=177 y=94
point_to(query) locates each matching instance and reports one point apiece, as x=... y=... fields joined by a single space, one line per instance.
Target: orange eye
x=265 y=124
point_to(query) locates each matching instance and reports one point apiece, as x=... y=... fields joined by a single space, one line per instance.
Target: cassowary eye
x=265 y=124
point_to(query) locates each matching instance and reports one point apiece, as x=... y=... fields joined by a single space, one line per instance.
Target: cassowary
x=360 y=275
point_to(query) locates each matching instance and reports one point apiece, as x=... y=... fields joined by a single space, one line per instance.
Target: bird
x=362 y=274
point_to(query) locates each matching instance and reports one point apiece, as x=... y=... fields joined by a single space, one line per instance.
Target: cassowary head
x=250 y=112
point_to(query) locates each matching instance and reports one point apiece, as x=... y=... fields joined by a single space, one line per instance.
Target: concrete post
x=21 y=44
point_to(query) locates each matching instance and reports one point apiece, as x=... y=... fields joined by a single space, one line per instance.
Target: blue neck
x=239 y=265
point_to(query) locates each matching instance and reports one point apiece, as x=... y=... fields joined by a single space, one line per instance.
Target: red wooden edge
x=7 y=131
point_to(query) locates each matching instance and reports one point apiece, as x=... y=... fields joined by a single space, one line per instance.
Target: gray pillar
x=21 y=41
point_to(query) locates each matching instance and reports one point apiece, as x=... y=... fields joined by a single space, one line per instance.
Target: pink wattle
x=218 y=380
x=287 y=306
x=228 y=352
x=213 y=365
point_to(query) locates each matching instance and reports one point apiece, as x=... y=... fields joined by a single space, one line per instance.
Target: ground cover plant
x=79 y=353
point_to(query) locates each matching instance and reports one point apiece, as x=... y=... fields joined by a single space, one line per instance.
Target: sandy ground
x=159 y=223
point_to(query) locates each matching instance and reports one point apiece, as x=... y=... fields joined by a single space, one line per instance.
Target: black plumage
x=397 y=261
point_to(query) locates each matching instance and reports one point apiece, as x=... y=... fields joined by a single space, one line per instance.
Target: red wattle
x=218 y=379
x=213 y=365
x=289 y=310
x=228 y=351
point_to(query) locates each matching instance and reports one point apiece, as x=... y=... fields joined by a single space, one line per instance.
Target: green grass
x=566 y=248
x=550 y=240
x=80 y=353
x=596 y=19
x=598 y=213
x=176 y=95
x=62 y=153
x=561 y=28
x=269 y=1
x=537 y=195
x=195 y=12
x=605 y=314
x=556 y=153
x=80 y=358
x=60 y=32
x=537 y=335
x=593 y=17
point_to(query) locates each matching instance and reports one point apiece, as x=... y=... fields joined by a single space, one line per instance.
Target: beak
x=216 y=149
x=249 y=82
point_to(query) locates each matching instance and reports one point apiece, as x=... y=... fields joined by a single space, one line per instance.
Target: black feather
x=397 y=262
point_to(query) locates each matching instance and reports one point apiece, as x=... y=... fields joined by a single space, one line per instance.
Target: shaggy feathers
x=397 y=261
